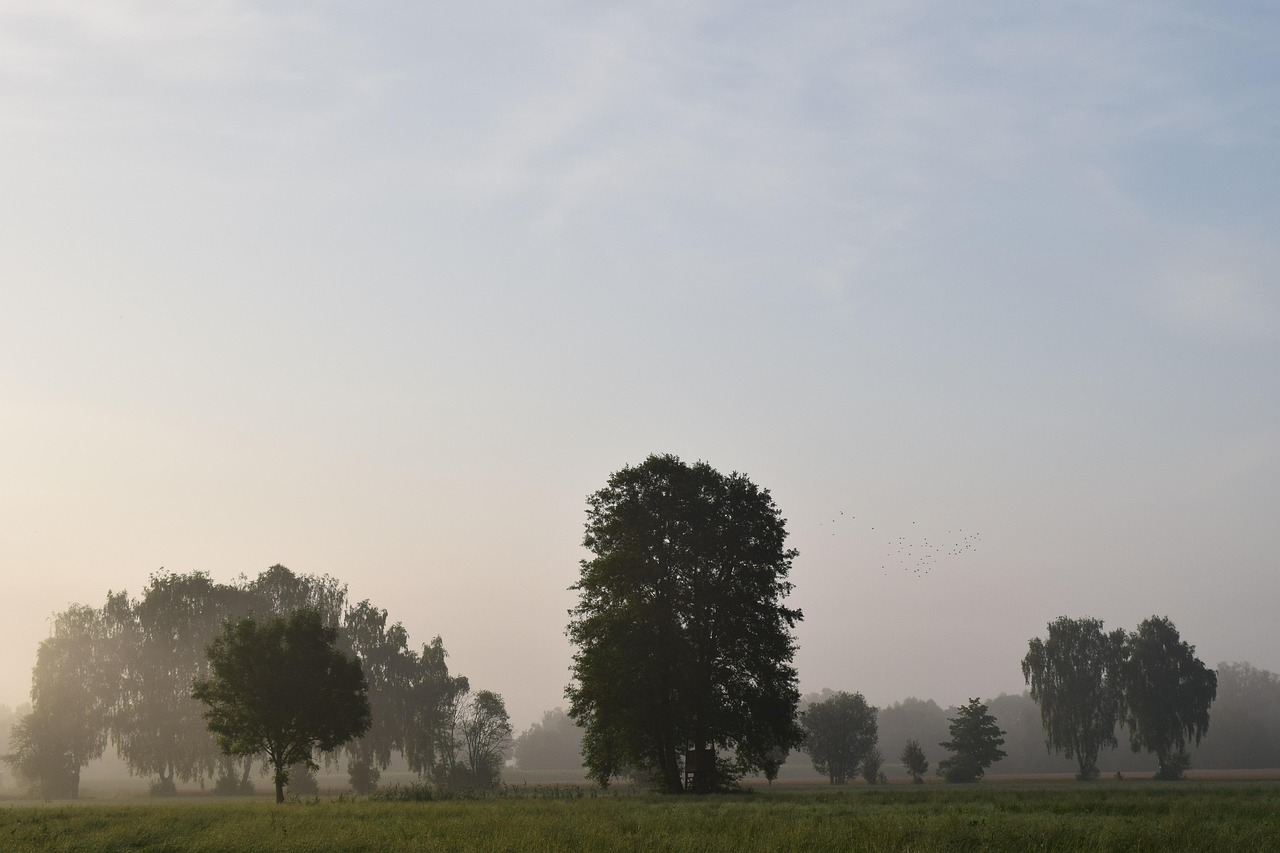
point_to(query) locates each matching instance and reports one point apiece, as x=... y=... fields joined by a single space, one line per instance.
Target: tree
x=431 y=714
x=683 y=643
x=975 y=744
x=554 y=743
x=483 y=737
x=914 y=760
x=73 y=689
x=279 y=687
x=871 y=764
x=157 y=726
x=1168 y=692
x=1076 y=677
x=388 y=667
x=839 y=734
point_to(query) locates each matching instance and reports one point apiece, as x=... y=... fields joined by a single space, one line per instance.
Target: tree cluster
x=1088 y=681
x=122 y=675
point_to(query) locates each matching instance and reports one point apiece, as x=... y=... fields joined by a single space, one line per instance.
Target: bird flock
x=915 y=552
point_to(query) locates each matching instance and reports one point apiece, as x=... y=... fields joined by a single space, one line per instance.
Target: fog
x=986 y=298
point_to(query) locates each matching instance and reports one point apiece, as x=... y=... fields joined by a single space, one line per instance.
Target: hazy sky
x=385 y=290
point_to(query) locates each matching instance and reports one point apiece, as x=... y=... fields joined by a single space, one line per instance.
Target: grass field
x=1013 y=816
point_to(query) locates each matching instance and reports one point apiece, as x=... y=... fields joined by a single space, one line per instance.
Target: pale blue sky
x=384 y=291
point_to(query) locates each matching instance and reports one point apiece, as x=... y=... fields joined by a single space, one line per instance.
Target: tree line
x=682 y=674
x=123 y=674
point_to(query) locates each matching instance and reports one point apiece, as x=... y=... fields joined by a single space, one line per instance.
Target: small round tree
x=914 y=760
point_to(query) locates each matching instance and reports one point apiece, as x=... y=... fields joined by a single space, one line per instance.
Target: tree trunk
x=281 y=779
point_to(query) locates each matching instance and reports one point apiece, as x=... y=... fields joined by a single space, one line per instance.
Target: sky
x=986 y=294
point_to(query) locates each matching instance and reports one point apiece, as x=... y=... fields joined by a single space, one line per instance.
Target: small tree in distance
x=975 y=744
x=914 y=760
x=281 y=688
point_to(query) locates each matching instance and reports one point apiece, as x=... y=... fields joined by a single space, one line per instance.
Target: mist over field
x=986 y=296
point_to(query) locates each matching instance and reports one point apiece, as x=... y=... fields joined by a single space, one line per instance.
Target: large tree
x=1076 y=677
x=683 y=642
x=280 y=687
x=839 y=734
x=1168 y=692
x=975 y=744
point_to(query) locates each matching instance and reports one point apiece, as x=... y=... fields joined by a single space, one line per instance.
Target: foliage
x=280 y=687
x=914 y=761
x=1076 y=677
x=683 y=642
x=553 y=743
x=1168 y=692
x=839 y=733
x=975 y=744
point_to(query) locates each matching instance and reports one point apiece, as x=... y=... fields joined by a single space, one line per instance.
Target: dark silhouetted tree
x=683 y=642
x=281 y=688
x=1168 y=691
x=839 y=733
x=1076 y=677
x=914 y=761
x=974 y=746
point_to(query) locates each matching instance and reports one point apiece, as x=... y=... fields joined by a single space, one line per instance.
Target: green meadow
x=1013 y=816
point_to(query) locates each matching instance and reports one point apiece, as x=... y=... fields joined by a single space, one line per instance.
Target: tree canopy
x=280 y=687
x=683 y=642
x=1076 y=677
x=1168 y=694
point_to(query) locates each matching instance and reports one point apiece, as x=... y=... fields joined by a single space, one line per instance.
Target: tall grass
x=997 y=817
